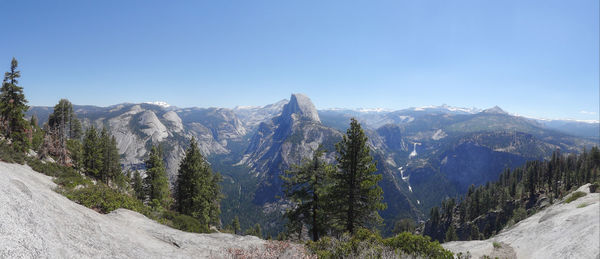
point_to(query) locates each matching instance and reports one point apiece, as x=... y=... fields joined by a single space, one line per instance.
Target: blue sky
x=535 y=58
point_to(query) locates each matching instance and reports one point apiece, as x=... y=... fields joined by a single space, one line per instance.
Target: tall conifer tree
x=92 y=153
x=355 y=189
x=305 y=185
x=156 y=181
x=138 y=185
x=197 y=191
x=13 y=106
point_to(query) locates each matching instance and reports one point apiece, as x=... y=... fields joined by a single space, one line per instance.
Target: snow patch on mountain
x=159 y=103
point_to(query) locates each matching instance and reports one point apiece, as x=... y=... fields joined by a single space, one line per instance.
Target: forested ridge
x=517 y=194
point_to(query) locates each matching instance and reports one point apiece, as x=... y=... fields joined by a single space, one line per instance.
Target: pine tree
x=215 y=196
x=111 y=167
x=404 y=225
x=305 y=185
x=236 y=225
x=354 y=183
x=13 y=107
x=138 y=185
x=37 y=138
x=254 y=231
x=197 y=191
x=156 y=182
x=34 y=120
x=92 y=153
x=451 y=234
x=75 y=149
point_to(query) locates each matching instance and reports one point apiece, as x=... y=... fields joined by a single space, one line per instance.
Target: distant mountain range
x=424 y=154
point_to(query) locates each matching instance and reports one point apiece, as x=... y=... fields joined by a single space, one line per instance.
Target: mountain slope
x=38 y=222
x=285 y=140
x=563 y=230
x=138 y=126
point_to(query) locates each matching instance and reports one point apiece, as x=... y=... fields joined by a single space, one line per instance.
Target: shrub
x=71 y=179
x=496 y=245
x=105 y=199
x=50 y=169
x=417 y=245
x=9 y=154
x=585 y=204
x=519 y=214
x=183 y=222
x=189 y=224
x=366 y=244
x=576 y=195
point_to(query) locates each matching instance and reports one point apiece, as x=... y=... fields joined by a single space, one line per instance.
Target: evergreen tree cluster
x=64 y=121
x=100 y=156
x=487 y=209
x=62 y=135
x=335 y=199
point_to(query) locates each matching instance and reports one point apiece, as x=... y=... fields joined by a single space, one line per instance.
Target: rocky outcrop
x=40 y=223
x=562 y=230
x=494 y=110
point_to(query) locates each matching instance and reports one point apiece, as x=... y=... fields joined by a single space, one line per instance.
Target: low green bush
x=65 y=176
x=9 y=154
x=583 y=205
x=47 y=168
x=366 y=244
x=417 y=245
x=183 y=222
x=104 y=199
x=189 y=224
x=576 y=195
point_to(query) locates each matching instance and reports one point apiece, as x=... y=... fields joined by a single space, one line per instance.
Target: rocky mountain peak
x=494 y=110
x=300 y=106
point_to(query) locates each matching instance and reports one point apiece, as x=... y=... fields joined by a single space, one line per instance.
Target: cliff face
x=38 y=222
x=285 y=140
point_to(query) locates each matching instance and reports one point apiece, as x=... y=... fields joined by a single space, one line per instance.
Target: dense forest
x=518 y=193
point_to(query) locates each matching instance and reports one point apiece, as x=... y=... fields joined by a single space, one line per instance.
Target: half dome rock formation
x=300 y=107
